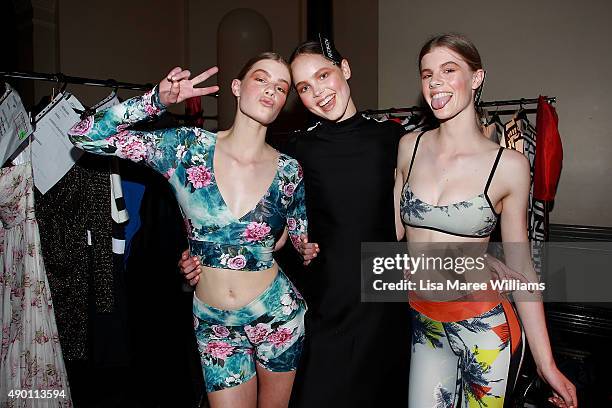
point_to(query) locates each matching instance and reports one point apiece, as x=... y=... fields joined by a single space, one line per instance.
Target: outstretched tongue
x=439 y=103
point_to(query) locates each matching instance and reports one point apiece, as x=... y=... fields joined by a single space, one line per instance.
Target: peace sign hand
x=176 y=86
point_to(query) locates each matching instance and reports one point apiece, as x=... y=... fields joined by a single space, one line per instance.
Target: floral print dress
x=31 y=360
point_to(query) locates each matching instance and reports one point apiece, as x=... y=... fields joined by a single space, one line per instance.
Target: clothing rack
x=509 y=102
x=65 y=79
x=522 y=101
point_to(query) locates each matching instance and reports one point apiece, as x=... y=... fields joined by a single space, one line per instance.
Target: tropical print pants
x=466 y=363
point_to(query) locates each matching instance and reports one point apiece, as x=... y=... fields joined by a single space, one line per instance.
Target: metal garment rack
x=60 y=78
x=509 y=102
x=522 y=101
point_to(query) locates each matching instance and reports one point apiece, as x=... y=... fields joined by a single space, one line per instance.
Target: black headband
x=329 y=51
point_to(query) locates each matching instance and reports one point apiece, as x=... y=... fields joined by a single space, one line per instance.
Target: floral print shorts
x=269 y=330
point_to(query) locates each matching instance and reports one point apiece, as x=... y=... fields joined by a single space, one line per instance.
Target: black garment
x=165 y=364
x=81 y=277
x=356 y=354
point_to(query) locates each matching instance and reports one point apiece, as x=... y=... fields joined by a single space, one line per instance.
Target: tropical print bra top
x=185 y=157
x=473 y=218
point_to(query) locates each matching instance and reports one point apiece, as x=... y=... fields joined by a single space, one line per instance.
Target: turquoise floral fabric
x=185 y=157
x=269 y=331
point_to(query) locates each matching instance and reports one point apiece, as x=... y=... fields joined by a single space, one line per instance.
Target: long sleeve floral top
x=185 y=157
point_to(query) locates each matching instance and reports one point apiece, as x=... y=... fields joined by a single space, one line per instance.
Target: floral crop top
x=185 y=157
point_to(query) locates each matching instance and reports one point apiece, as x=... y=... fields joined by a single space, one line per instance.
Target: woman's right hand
x=176 y=86
x=564 y=392
x=308 y=250
x=190 y=268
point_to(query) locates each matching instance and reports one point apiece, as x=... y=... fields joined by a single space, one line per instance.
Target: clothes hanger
x=59 y=78
x=93 y=109
x=115 y=86
x=521 y=114
x=416 y=118
x=495 y=119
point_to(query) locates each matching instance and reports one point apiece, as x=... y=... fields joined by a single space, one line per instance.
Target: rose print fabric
x=30 y=353
x=185 y=157
x=471 y=363
x=269 y=331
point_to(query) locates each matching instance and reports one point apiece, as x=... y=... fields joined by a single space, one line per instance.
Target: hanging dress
x=30 y=355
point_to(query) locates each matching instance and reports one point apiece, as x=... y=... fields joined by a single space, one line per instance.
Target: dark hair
x=268 y=55
x=308 y=47
x=457 y=43
x=316 y=47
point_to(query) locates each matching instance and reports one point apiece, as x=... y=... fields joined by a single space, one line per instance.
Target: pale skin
x=323 y=87
x=452 y=164
x=244 y=167
x=455 y=161
x=324 y=91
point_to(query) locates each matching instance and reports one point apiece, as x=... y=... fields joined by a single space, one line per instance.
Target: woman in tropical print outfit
x=237 y=195
x=467 y=353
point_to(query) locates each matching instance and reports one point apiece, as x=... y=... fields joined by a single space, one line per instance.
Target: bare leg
x=274 y=388
x=240 y=396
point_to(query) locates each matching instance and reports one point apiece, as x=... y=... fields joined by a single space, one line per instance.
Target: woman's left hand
x=308 y=250
x=564 y=392
x=176 y=86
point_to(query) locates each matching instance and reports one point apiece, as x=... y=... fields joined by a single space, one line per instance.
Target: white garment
x=30 y=353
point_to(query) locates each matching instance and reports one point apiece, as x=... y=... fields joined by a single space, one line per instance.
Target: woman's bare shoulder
x=514 y=161
x=514 y=169
x=407 y=142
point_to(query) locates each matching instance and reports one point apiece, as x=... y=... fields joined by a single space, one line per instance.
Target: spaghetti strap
x=499 y=152
x=416 y=146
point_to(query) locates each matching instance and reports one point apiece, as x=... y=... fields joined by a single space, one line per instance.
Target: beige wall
x=356 y=37
x=135 y=41
x=139 y=41
x=548 y=47
x=286 y=20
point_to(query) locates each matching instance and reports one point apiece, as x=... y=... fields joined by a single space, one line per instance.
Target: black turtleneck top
x=349 y=170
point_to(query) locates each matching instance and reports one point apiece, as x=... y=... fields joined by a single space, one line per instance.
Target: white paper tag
x=52 y=152
x=15 y=126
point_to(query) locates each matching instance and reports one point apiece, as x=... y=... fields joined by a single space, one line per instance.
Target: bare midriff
x=228 y=289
